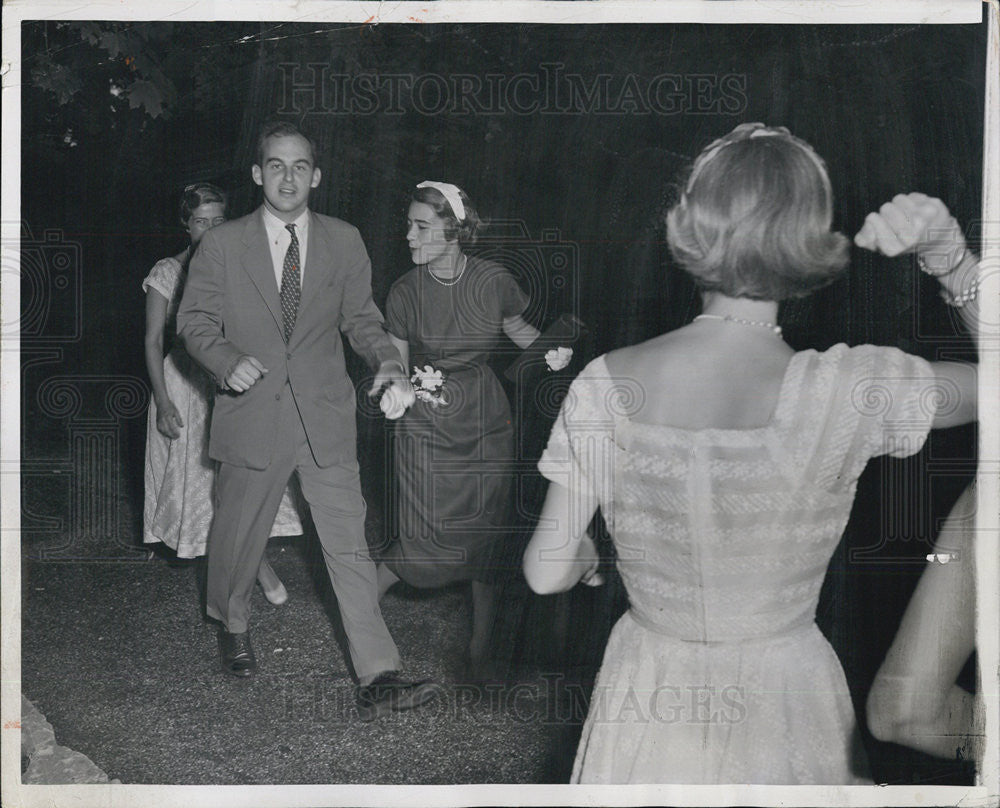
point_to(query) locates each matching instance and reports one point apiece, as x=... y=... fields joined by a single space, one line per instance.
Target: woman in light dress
x=179 y=475
x=725 y=465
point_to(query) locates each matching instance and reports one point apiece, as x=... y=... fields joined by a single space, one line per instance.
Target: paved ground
x=121 y=675
x=119 y=659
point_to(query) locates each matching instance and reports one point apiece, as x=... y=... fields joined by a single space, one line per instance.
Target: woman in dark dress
x=454 y=447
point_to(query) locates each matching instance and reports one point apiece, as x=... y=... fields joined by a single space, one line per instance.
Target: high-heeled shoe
x=271 y=585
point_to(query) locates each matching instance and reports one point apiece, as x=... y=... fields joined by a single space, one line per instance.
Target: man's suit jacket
x=231 y=308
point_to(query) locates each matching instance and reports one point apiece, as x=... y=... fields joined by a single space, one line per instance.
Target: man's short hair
x=283 y=129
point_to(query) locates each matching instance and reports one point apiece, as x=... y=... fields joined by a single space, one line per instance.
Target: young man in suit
x=266 y=301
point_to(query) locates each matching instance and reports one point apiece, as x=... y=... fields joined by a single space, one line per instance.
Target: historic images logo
x=549 y=700
x=313 y=88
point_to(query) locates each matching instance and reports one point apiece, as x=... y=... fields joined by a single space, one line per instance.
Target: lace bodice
x=725 y=534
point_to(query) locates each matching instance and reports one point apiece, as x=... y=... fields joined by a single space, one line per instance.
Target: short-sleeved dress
x=718 y=673
x=179 y=475
x=453 y=461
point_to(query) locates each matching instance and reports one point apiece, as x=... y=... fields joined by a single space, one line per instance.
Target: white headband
x=451 y=194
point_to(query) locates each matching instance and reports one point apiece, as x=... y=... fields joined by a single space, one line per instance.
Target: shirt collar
x=276 y=226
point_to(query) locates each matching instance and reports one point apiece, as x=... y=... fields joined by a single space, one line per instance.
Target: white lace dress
x=718 y=673
x=179 y=475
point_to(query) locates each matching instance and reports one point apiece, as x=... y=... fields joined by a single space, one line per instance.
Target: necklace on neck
x=458 y=275
x=728 y=318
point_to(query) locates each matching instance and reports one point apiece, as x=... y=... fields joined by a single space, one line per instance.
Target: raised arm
x=923 y=225
x=917 y=223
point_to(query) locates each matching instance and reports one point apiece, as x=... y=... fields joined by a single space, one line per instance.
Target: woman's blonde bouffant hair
x=754 y=218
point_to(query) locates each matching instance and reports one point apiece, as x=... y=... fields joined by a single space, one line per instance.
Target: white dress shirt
x=278 y=239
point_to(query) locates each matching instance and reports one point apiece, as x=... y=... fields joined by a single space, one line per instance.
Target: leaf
x=109 y=41
x=91 y=31
x=58 y=79
x=166 y=86
x=161 y=31
x=145 y=94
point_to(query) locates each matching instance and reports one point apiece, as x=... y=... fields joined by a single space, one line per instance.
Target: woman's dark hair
x=465 y=230
x=201 y=193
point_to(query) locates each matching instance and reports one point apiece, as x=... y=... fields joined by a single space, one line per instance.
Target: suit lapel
x=319 y=262
x=257 y=264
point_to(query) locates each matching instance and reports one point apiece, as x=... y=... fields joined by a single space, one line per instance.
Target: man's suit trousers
x=246 y=502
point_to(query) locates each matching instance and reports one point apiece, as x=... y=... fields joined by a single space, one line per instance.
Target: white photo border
x=798 y=12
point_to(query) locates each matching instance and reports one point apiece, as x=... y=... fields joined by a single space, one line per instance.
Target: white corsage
x=427 y=384
x=395 y=401
x=558 y=358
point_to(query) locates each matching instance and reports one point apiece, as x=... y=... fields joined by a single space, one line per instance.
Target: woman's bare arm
x=168 y=420
x=914 y=700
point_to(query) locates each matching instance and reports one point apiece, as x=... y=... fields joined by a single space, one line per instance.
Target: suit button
x=288 y=356
x=277 y=396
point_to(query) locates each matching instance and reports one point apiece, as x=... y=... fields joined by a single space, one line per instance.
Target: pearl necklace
x=728 y=318
x=457 y=278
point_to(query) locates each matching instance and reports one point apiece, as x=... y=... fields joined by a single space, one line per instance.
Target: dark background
x=578 y=196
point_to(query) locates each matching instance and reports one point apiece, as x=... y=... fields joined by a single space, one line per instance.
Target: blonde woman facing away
x=725 y=464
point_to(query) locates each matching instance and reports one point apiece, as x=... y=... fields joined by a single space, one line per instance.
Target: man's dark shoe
x=388 y=692
x=237 y=653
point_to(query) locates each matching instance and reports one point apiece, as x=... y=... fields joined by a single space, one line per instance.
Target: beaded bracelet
x=937 y=273
x=963 y=297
